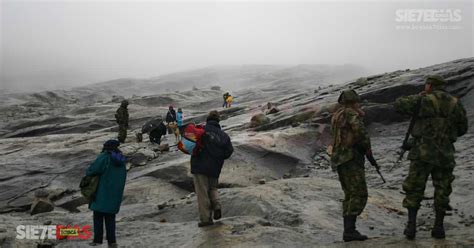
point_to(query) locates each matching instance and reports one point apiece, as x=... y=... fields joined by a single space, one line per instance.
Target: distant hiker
x=229 y=100
x=121 y=116
x=170 y=117
x=350 y=145
x=206 y=167
x=179 y=120
x=439 y=119
x=110 y=167
x=225 y=99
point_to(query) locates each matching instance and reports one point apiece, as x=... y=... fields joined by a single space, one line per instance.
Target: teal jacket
x=179 y=119
x=110 y=167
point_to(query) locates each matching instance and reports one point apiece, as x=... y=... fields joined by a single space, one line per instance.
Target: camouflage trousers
x=415 y=183
x=122 y=133
x=352 y=178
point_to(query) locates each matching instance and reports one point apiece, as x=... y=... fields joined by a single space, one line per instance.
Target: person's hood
x=118 y=158
x=213 y=123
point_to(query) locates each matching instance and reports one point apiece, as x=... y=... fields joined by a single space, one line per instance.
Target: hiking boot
x=438 y=229
x=203 y=224
x=350 y=232
x=410 y=230
x=94 y=244
x=112 y=245
x=217 y=214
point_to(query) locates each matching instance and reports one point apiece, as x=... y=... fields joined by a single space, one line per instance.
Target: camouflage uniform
x=121 y=117
x=440 y=120
x=351 y=142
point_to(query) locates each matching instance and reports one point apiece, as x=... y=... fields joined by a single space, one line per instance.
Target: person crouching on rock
x=110 y=167
x=156 y=134
x=351 y=144
x=206 y=166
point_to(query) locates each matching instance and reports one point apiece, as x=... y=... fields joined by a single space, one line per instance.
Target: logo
x=428 y=19
x=59 y=232
x=428 y=15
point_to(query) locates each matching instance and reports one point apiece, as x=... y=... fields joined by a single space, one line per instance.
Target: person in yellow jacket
x=229 y=100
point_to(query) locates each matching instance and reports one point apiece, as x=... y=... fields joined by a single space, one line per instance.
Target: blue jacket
x=110 y=167
x=179 y=119
x=216 y=147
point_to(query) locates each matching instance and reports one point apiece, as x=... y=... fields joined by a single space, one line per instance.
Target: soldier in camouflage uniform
x=440 y=120
x=121 y=116
x=351 y=143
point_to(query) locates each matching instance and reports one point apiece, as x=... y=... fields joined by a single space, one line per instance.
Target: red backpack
x=191 y=139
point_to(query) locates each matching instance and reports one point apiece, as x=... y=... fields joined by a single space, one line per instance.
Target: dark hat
x=124 y=102
x=214 y=116
x=348 y=96
x=111 y=144
x=435 y=80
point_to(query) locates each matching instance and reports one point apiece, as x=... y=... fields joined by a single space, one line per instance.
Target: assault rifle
x=406 y=145
x=372 y=161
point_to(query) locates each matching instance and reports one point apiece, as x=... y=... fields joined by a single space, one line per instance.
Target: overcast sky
x=69 y=43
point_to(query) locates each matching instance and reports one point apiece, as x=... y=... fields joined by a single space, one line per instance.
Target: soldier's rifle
x=405 y=145
x=373 y=162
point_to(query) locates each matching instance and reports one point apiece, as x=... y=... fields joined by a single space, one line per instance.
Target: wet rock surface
x=277 y=189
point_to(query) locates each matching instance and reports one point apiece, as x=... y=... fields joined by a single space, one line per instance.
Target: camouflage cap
x=435 y=80
x=348 y=96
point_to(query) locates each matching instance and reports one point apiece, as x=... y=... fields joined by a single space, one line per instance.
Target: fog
x=72 y=43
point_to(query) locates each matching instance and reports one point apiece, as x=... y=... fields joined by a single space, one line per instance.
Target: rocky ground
x=277 y=190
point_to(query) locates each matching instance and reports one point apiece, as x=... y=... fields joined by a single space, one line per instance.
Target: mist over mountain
x=237 y=78
x=228 y=78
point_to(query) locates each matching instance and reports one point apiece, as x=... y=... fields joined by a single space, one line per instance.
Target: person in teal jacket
x=179 y=120
x=110 y=167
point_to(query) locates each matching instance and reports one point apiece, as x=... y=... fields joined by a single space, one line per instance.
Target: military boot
x=350 y=232
x=438 y=228
x=410 y=230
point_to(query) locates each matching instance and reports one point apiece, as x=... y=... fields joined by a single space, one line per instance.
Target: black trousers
x=99 y=218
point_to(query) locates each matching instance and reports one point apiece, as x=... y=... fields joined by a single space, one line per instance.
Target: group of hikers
x=155 y=128
x=438 y=119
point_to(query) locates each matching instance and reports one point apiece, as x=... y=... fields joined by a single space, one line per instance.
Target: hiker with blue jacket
x=206 y=167
x=110 y=167
x=179 y=120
